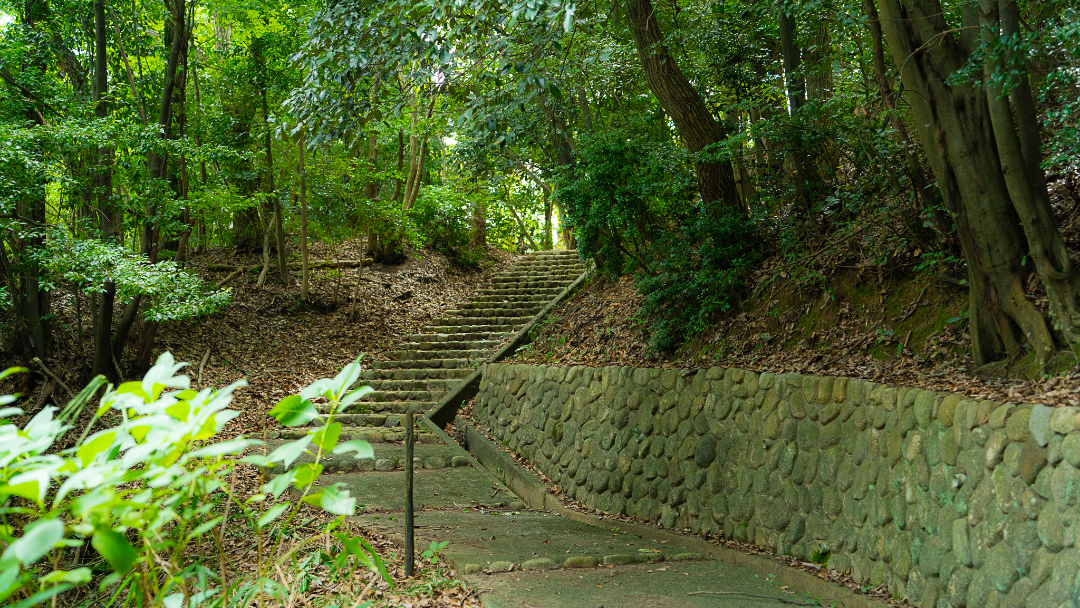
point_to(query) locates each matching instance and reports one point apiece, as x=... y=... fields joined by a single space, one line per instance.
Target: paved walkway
x=519 y=557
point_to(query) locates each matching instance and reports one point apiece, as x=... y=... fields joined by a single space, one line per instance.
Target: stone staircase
x=421 y=371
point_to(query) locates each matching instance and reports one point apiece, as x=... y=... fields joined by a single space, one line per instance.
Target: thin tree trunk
x=135 y=94
x=303 y=222
x=108 y=214
x=353 y=312
x=103 y=352
x=155 y=162
x=547 y=220
x=400 y=164
x=792 y=58
x=680 y=99
x=279 y=228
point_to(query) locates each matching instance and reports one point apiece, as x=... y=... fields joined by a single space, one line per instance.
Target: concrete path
x=520 y=558
x=534 y=559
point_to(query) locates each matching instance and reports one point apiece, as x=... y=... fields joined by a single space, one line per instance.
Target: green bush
x=442 y=216
x=700 y=268
x=153 y=495
x=621 y=196
x=631 y=200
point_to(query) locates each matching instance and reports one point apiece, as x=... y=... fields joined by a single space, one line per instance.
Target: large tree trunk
x=680 y=99
x=972 y=157
x=924 y=192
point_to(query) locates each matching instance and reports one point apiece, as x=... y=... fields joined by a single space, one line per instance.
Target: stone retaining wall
x=948 y=501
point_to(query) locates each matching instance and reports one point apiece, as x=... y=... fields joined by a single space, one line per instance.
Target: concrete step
x=535 y=276
x=529 y=284
x=377 y=374
x=495 y=312
x=515 y=322
x=456 y=337
x=488 y=328
x=549 y=292
x=391 y=407
x=467 y=364
x=522 y=298
x=414 y=385
x=506 y=305
x=371 y=434
x=418 y=355
x=394 y=396
x=450 y=345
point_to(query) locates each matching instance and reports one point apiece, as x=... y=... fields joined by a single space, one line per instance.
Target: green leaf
x=288 y=453
x=306 y=474
x=555 y=91
x=378 y=562
x=233 y=446
x=326 y=437
x=12 y=370
x=336 y=500
x=278 y=484
x=271 y=514
x=135 y=388
x=78 y=576
x=203 y=528
x=38 y=538
x=356 y=395
x=258 y=460
x=98 y=444
x=294 y=411
x=362 y=448
x=116 y=550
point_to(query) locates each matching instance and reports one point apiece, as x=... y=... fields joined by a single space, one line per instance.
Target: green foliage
x=700 y=269
x=442 y=218
x=144 y=491
x=622 y=195
x=630 y=199
x=173 y=294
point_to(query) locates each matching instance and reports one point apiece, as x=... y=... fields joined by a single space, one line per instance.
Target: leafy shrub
x=621 y=195
x=442 y=215
x=631 y=200
x=146 y=492
x=700 y=268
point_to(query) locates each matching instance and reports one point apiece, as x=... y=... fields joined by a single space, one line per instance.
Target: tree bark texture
x=696 y=124
x=1002 y=218
x=923 y=191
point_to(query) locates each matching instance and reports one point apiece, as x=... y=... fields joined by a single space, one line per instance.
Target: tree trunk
x=792 y=59
x=400 y=165
x=680 y=99
x=478 y=240
x=972 y=157
x=108 y=214
x=547 y=221
x=303 y=223
x=155 y=162
x=103 y=352
x=275 y=202
x=923 y=191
